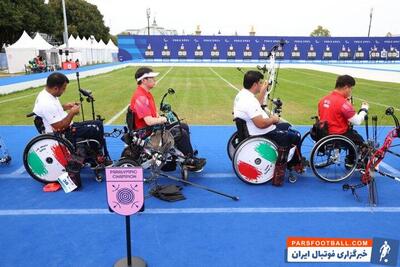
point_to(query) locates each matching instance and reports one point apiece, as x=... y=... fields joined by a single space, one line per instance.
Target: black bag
x=319 y=130
x=170 y=193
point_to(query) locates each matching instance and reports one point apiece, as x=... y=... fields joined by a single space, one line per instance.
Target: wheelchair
x=153 y=147
x=46 y=156
x=333 y=158
x=254 y=157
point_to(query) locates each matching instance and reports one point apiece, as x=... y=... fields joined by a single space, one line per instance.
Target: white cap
x=148 y=75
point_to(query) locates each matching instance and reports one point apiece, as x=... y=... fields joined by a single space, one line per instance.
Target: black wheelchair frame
x=141 y=150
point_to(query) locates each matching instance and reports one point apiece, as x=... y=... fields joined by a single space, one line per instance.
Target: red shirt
x=142 y=105
x=336 y=110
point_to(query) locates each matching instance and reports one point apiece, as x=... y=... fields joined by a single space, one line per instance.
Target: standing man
x=59 y=118
x=145 y=114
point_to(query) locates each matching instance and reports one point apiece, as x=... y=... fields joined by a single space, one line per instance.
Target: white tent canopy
x=19 y=53
x=111 y=45
x=89 y=51
x=112 y=51
x=40 y=43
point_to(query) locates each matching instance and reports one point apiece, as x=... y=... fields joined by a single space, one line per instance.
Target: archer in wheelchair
x=263 y=146
x=64 y=145
x=338 y=149
x=142 y=114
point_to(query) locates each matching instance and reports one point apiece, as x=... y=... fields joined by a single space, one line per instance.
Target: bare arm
x=150 y=121
x=68 y=106
x=263 y=91
x=64 y=123
x=263 y=123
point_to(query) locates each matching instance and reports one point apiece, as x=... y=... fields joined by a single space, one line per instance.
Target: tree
x=320 y=32
x=114 y=38
x=83 y=18
x=19 y=15
x=389 y=34
x=32 y=16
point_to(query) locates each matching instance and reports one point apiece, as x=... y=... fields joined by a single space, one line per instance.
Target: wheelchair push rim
x=328 y=158
x=125 y=162
x=46 y=156
x=254 y=160
x=306 y=145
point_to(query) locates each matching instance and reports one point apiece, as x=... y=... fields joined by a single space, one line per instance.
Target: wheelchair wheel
x=232 y=144
x=126 y=163
x=184 y=174
x=46 y=156
x=330 y=158
x=306 y=145
x=254 y=160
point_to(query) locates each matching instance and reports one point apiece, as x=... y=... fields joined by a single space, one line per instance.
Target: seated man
x=56 y=119
x=40 y=63
x=145 y=114
x=248 y=107
x=338 y=112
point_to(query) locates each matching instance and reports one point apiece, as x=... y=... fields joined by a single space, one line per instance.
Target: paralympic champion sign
x=125 y=190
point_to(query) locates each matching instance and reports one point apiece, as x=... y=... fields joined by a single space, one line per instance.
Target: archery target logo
x=125 y=196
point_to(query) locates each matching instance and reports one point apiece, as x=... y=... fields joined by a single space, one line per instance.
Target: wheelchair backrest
x=130 y=117
x=242 y=130
x=319 y=129
x=38 y=122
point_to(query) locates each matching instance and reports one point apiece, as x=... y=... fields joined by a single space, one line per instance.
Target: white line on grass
x=116 y=116
x=16 y=98
x=358 y=82
x=231 y=85
x=234 y=87
x=260 y=210
x=325 y=90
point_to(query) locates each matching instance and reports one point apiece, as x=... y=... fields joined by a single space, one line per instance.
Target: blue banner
x=256 y=47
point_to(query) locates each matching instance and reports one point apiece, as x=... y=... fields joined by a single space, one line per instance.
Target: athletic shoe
x=194 y=164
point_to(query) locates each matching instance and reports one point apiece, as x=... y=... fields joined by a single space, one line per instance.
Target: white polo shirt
x=49 y=108
x=247 y=107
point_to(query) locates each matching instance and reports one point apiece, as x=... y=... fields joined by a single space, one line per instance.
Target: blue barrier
x=257 y=48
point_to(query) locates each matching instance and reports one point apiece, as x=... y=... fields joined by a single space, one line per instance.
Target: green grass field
x=204 y=95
